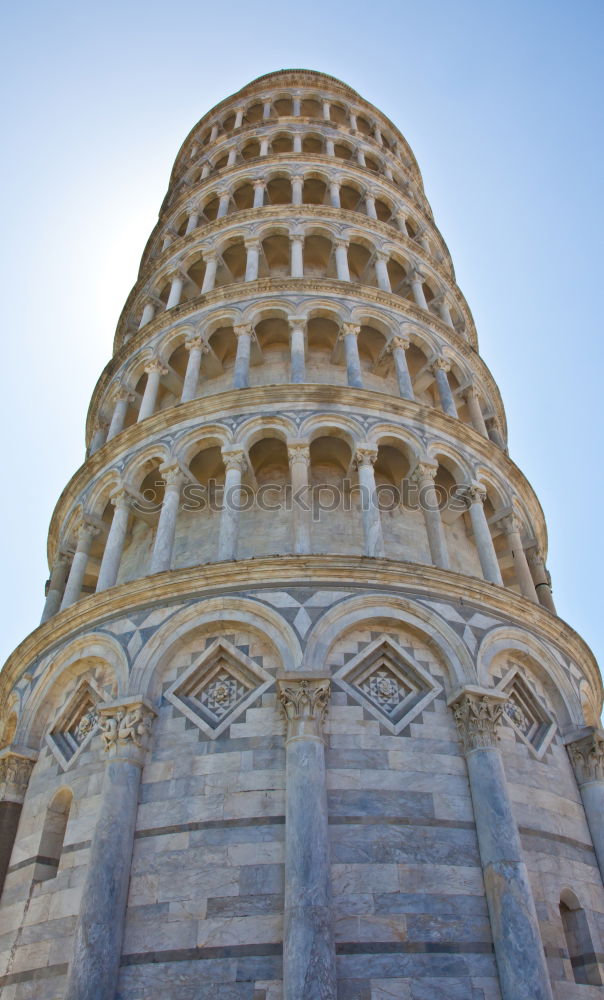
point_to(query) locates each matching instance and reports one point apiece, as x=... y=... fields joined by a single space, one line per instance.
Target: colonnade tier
x=298 y=179
x=406 y=488
x=319 y=98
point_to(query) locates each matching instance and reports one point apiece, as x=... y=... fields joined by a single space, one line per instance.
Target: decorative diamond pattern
x=221 y=683
x=387 y=681
x=526 y=714
x=75 y=726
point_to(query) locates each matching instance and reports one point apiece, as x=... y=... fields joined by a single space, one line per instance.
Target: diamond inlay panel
x=388 y=682
x=526 y=714
x=218 y=686
x=75 y=726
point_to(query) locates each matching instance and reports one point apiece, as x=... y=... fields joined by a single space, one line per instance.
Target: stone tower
x=300 y=719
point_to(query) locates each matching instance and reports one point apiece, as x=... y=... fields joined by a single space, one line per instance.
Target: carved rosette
x=15 y=771
x=478 y=717
x=304 y=699
x=587 y=757
x=126 y=729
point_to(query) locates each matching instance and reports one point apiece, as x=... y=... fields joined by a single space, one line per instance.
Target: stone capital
x=304 y=698
x=349 y=330
x=296 y=322
x=253 y=243
x=196 y=344
x=121 y=497
x=172 y=475
x=155 y=365
x=424 y=471
x=365 y=454
x=511 y=524
x=475 y=492
x=587 y=756
x=298 y=451
x=401 y=342
x=125 y=729
x=259 y=182
x=123 y=392
x=341 y=242
x=246 y=330
x=87 y=530
x=15 y=770
x=234 y=458
x=478 y=713
x=443 y=363
x=470 y=392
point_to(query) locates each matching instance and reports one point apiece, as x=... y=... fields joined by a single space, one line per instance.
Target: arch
x=219 y=611
x=539 y=659
x=257 y=428
x=356 y=610
x=579 y=941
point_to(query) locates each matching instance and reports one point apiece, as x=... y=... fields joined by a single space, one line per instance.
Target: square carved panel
x=525 y=712
x=389 y=683
x=75 y=726
x=218 y=687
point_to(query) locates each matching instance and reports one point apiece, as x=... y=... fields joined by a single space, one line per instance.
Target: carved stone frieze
x=126 y=728
x=478 y=714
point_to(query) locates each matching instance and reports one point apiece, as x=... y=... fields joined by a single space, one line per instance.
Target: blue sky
x=502 y=105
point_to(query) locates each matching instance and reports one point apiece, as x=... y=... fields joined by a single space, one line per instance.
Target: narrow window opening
x=53 y=836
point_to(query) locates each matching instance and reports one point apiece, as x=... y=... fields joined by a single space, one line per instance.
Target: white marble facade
x=300 y=720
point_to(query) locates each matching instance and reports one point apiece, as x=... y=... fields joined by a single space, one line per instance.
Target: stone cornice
x=296 y=159
x=287 y=396
x=218 y=579
x=294 y=78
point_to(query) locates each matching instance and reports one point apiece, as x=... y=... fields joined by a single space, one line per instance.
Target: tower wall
x=300 y=719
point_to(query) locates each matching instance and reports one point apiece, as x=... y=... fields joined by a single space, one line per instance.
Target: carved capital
x=475 y=493
x=365 y=454
x=511 y=524
x=304 y=699
x=234 y=459
x=441 y=363
x=155 y=365
x=15 y=771
x=243 y=331
x=478 y=716
x=125 y=729
x=86 y=531
x=196 y=344
x=298 y=451
x=587 y=757
x=400 y=342
x=121 y=497
x=172 y=475
x=424 y=471
x=296 y=322
x=349 y=330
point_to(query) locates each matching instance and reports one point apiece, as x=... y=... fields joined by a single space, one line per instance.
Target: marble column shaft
x=586 y=752
x=524 y=579
x=196 y=349
x=252 y=261
x=309 y=965
x=399 y=347
x=161 y=558
x=475 y=411
x=154 y=371
x=482 y=536
x=94 y=967
x=73 y=589
x=209 y=277
x=114 y=546
x=351 y=349
x=424 y=476
x=297 y=349
x=541 y=579
x=56 y=588
x=342 y=269
x=299 y=461
x=242 y=358
x=235 y=463
x=440 y=368
x=521 y=964
x=372 y=526
x=297 y=256
x=122 y=401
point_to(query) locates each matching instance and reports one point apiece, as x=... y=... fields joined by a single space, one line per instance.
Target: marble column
x=399 y=345
x=93 y=971
x=401 y=218
x=352 y=120
x=326 y=111
x=232 y=158
x=56 y=587
x=148 y=314
x=475 y=411
x=214 y=133
x=114 y=546
x=370 y=205
x=296 y=106
x=494 y=433
x=196 y=348
x=266 y=110
x=223 y=204
x=297 y=255
x=238 y=117
x=264 y=146
x=586 y=752
x=440 y=368
x=424 y=475
x=381 y=271
x=205 y=171
x=241 y=372
x=372 y=527
x=86 y=534
x=297 y=142
x=349 y=336
x=297 y=187
x=252 y=260
x=123 y=398
x=154 y=371
x=541 y=579
x=193 y=220
x=161 y=558
x=15 y=770
x=482 y=535
x=330 y=147
x=209 y=277
x=235 y=463
x=298 y=454
x=519 y=952
x=259 y=190
x=361 y=157
x=442 y=305
x=297 y=349
x=309 y=963
x=176 y=287
x=334 y=194
x=417 y=287
x=512 y=528
x=342 y=260
x=99 y=437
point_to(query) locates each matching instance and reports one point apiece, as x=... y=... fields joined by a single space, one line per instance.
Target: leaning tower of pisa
x=300 y=720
